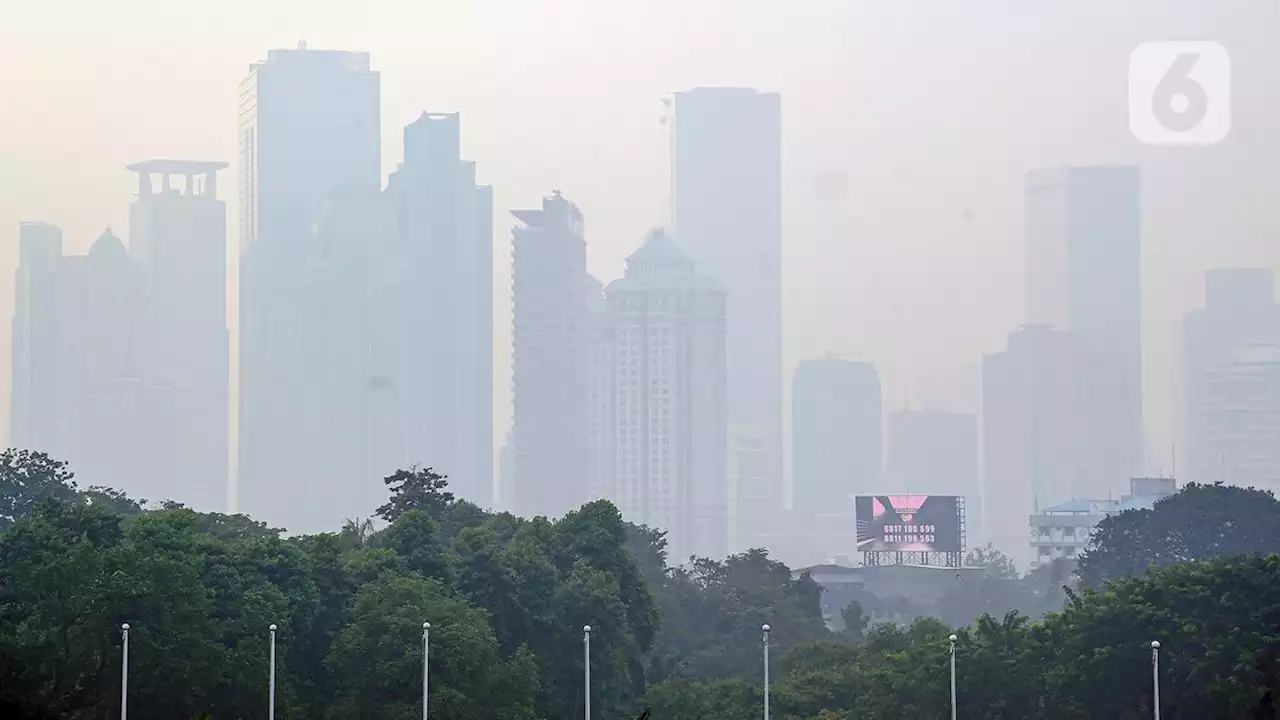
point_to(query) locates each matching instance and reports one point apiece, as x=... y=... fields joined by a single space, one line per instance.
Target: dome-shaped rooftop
x=108 y=246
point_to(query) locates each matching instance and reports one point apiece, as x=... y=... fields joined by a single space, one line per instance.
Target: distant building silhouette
x=178 y=235
x=1084 y=275
x=550 y=358
x=1049 y=431
x=1232 y=376
x=37 y=398
x=754 y=518
x=935 y=452
x=726 y=196
x=837 y=433
x=309 y=125
x=836 y=444
x=81 y=388
x=669 y=420
x=445 y=245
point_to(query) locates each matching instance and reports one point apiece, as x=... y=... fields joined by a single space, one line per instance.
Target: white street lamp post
x=765 y=639
x=124 y=672
x=586 y=670
x=271 y=683
x=426 y=649
x=1155 y=679
x=952 y=641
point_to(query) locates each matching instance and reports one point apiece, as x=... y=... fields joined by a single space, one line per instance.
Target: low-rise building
x=1064 y=530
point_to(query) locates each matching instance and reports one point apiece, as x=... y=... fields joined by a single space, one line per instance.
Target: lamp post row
x=586 y=672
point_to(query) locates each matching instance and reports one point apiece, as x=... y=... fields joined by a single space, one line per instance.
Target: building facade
x=444 y=223
x=309 y=124
x=1046 y=430
x=81 y=387
x=551 y=355
x=178 y=235
x=669 y=420
x=1063 y=531
x=837 y=434
x=1232 y=381
x=36 y=401
x=726 y=199
x=1084 y=276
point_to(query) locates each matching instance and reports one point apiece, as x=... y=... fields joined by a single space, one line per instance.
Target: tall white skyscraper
x=1232 y=375
x=550 y=359
x=726 y=195
x=669 y=421
x=35 y=402
x=1084 y=275
x=445 y=247
x=309 y=125
x=178 y=235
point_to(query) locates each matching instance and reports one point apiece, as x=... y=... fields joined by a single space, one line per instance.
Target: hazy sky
x=908 y=126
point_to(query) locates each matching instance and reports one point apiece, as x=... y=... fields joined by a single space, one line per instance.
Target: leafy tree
x=29 y=478
x=855 y=621
x=1200 y=522
x=113 y=501
x=416 y=537
x=713 y=611
x=377 y=659
x=416 y=489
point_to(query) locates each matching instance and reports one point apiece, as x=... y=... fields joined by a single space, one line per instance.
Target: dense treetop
x=507 y=598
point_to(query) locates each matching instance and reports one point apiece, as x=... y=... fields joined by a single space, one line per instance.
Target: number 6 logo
x=1180 y=93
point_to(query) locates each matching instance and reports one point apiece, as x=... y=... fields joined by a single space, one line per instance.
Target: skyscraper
x=37 y=395
x=726 y=159
x=178 y=235
x=309 y=124
x=1232 y=376
x=836 y=434
x=669 y=411
x=445 y=242
x=550 y=358
x=935 y=452
x=1084 y=275
x=1048 y=434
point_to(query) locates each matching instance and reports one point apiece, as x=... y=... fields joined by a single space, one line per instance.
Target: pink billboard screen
x=908 y=523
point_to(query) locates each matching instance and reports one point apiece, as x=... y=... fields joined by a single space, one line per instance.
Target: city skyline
x=307 y=192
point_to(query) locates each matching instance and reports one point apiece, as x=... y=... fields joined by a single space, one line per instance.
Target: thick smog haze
x=652 y=359
x=907 y=132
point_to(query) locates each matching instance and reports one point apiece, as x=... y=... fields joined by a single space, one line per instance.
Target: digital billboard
x=908 y=523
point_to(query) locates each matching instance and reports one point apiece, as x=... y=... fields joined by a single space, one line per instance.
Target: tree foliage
x=1199 y=522
x=507 y=598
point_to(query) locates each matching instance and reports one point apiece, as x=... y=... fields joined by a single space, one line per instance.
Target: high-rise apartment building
x=669 y=421
x=309 y=125
x=178 y=235
x=726 y=197
x=1232 y=381
x=1084 y=275
x=551 y=354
